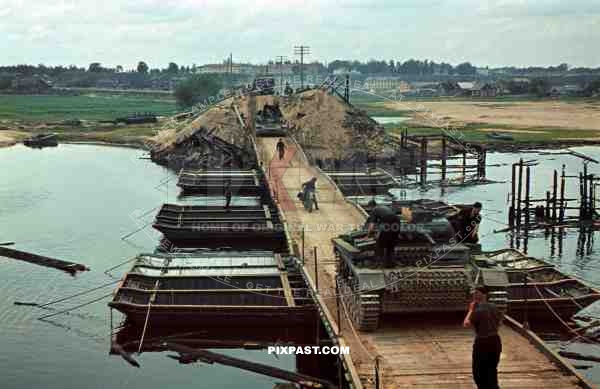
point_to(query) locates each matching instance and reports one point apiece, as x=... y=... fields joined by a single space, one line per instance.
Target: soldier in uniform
x=385 y=224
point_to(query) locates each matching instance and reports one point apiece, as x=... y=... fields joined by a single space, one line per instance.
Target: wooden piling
x=444 y=156
x=511 y=211
x=554 y=196
x=519 y=190
x=423 y=171
x=481 y=157
x=464 y=165
x=581 y=197
x=561 y=212
x=527 y=193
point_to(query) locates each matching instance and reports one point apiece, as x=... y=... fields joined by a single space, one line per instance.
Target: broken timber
x=189 y=354
x=69 y=267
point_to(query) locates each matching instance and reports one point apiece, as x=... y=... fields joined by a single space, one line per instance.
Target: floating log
x=69 y=267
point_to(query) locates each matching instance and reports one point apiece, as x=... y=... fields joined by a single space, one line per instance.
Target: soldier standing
x=485 y=318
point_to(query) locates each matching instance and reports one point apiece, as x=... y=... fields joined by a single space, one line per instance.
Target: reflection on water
x=75 y=202
x=572 y=250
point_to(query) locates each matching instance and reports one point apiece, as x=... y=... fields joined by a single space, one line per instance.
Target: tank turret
x=431 y=271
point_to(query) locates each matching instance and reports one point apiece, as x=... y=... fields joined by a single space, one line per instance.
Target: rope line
x=75 y=307
x=560 y=319
x=78 y=294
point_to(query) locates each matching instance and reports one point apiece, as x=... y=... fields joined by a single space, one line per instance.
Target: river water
x=75 y=202
x=579 y=255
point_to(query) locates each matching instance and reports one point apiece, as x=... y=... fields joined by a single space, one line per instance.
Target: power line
x=279 y=60
x=301 y=51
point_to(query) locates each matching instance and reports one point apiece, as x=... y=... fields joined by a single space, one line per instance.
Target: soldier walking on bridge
x=227 y=193
x=281 y=149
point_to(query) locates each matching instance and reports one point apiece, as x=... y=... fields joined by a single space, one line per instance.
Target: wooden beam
x=212 y=357
x=287 y=290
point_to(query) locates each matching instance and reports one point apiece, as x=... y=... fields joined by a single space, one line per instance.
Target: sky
x=123 y=32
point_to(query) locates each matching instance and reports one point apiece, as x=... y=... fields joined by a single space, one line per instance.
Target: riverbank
x=529 y=124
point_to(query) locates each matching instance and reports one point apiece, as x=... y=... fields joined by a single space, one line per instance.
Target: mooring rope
x=69 y=297
x=560 y=319
x=75 y=307
x=148 y=316
x=107 y=271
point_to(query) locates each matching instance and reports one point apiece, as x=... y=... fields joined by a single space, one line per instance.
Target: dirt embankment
x=9 y=137
x=215 y=138
x=327 y=127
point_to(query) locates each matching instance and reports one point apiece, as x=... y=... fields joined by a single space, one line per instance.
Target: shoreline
x=500 y=147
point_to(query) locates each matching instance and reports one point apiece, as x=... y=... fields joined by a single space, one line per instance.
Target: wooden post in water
x=547 y=210
x=444 y=156
x=464 y=166
x=519 y=190
x=511 y=211
x=527 y=199
x=586 y=206
x=561 y=212
x=481 y=157
x=581 y=198
x=592 y=195
x=554 y=196
x=423 y=179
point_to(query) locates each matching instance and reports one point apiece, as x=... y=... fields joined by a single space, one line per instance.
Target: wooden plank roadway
x=415 y=352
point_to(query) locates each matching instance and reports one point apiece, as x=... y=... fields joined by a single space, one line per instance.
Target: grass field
x=478 y=133
x=85 y=107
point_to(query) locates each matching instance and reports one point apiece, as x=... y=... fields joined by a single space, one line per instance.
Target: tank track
x=363 y=309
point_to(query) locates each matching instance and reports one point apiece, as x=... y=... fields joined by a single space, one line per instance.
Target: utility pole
x=301 y=51
x=279 y=60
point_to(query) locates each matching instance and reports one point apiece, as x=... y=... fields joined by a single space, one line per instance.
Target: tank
x=430 y=273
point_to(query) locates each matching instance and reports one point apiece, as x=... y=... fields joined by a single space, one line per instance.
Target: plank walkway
x=415 y=352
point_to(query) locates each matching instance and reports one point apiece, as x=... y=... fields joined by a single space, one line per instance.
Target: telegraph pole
x=301 y=51
x=279 y=60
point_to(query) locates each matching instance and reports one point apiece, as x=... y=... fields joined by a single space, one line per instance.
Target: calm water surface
x=74 y=202
x=585 y=265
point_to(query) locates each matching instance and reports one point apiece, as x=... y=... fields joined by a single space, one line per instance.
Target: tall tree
x=142 y=67
x=95 y=67
x=173 y=68
x=197 y=89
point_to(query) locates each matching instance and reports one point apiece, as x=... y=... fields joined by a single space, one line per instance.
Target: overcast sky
x=122 y=32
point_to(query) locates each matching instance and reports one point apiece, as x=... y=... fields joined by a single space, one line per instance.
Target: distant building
x=566 y=90
x=386 y=83
x=339 y=71
x=484 y=90
x=31 y=84
x=468 y=89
